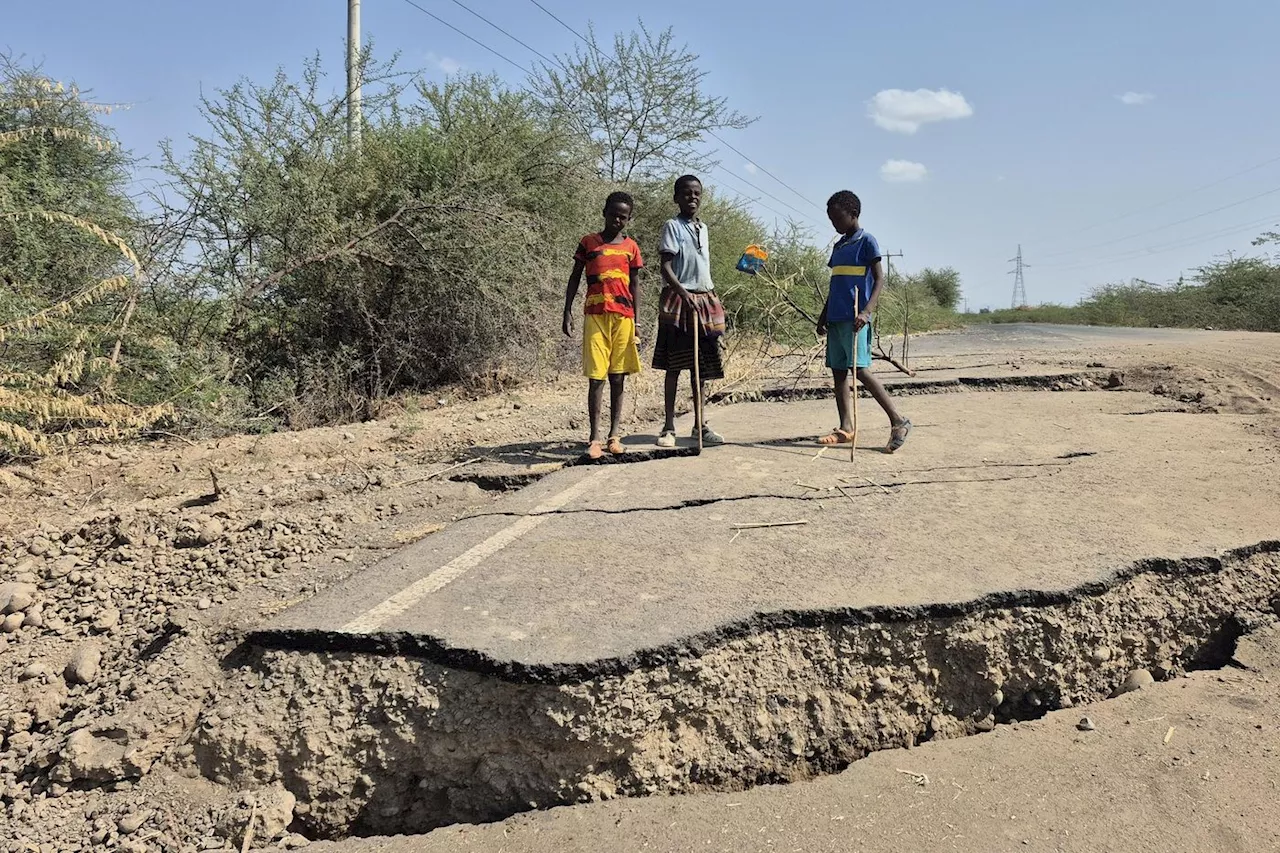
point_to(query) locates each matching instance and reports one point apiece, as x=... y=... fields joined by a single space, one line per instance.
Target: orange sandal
x=615 y=446
x=837 y=436
x=594 y=450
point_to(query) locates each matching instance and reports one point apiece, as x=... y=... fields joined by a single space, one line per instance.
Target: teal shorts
x=840 y=346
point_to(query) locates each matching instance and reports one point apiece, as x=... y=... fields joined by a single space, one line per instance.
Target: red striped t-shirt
x=609 y=267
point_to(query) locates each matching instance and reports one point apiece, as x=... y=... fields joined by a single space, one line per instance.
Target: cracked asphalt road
x=993 y=493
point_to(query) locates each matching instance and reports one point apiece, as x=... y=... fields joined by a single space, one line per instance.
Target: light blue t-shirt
x=686 y=239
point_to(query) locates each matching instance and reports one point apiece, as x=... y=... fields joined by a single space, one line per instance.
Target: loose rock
x=83 y=667
x=16 y=597
x=1136 y=680
x=132 y=822
x=1085 y=725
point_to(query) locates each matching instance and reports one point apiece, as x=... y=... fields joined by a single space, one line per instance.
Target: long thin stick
x=435 y=474
x=853 y=445
x=752 y=525
x=697 y=375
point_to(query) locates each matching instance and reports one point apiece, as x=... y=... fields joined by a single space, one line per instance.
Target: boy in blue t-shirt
x=855 y=269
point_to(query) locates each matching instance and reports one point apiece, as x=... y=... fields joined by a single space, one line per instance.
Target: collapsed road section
x=762 y=612
x=373 y=744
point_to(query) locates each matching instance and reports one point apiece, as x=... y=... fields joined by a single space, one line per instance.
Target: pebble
x=211 y=531
x=107 y=620
x=83 y=667
x=1085 y=725
x=12 y=622
x=132 y=822
x=34 y=670
x=883 y=684
x=1102 y=654
x=1136 y=680
x=203 y=604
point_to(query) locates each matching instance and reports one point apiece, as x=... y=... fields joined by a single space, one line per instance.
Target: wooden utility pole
x=354 y=117
x=906 y=303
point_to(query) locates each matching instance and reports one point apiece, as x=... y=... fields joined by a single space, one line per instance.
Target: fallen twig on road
x=755 y=525
x=435 y=474
x=920 y=779
x=877 y=485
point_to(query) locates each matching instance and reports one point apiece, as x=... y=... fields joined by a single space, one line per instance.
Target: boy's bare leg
x=617 y=383
x=844 y=398
x=671 y=386
x=881 y=396
x=595 y=398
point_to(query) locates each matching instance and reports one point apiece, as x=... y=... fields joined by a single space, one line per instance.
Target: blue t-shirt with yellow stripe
x=852 y=263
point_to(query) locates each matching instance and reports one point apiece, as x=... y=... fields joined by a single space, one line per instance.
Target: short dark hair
x=619 y=197
x=846 y=201
x=686 y=179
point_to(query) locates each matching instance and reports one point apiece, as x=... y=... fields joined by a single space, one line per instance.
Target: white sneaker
x=709 y=436
x=667 y=438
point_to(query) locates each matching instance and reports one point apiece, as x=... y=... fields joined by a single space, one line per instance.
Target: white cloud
x=446 y=64
x=1135 y=99
x=750 y=168
x=903 y=112
x=903 y=172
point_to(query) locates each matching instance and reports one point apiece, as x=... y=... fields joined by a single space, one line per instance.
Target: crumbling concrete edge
x=921 y=386
x=440 y=652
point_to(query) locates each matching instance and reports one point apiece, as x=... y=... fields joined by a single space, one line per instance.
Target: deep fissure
x=379 y=734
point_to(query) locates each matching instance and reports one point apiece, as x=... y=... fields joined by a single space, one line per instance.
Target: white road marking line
x=406 y=598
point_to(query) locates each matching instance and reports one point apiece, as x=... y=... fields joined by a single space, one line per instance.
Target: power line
x=563 y=24
x=799 y=212
x=710 y=133
x=1164 y=248
x=747 y=196
x=1168 y=225
x=469 y=38
x=523 y=44
x=798 y=194
x=1168 y=201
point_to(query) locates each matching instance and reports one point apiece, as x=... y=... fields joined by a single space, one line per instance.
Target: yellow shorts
x=609 y=345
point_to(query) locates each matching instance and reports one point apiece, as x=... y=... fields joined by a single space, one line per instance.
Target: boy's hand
x=567 y=325
x=688 y=298
x=822 y=327
x=861 y=320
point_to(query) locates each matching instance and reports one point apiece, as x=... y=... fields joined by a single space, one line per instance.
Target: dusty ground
x=133 y=571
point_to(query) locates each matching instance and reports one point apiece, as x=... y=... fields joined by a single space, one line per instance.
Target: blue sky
x=1078 y=130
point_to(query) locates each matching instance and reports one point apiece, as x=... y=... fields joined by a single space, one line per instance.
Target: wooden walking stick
x=697 y=376
x=853 y=444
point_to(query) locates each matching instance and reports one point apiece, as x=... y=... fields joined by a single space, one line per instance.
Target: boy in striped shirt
x=856 y=280
x=612 y=264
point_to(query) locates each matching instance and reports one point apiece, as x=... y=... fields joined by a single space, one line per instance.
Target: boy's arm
x=571 y=293
x=670 y=280
x=637 y=277
x=877 y=282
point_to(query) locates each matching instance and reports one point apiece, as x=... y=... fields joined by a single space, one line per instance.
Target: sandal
x=594 y=450
x=898 y=436
x=837 y=436
x=615 y=446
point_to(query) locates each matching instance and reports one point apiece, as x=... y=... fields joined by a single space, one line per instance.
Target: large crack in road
x=385 y=733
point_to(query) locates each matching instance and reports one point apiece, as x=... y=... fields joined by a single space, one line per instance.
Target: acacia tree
x=70 y=280
x=643 y=100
